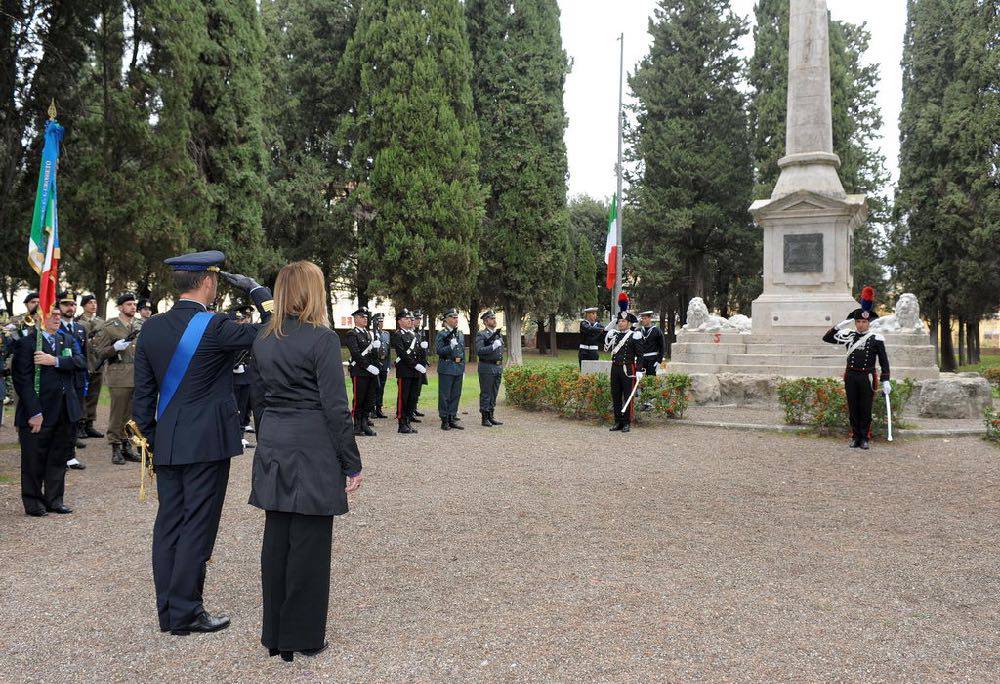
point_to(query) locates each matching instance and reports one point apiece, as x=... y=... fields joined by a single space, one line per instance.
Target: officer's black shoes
x=418 y=414
x=315 y=651
x=91 y=432
x=80 y=444
x=81 y=431
x=493 y=420
x=60 y=509
x=863 y=444
x=625 y=427
x=37 y=513
x=76 y=464
x=455 y=425
x=288 y=656
x=445 y=425
x=853 y=444
x=379 y=414
x=414 y=419
x=128 y=454
x=405 y=429
x=202 y=624
x=617 y=426
x=486 y=419
x=116 y=455
x=368 y=432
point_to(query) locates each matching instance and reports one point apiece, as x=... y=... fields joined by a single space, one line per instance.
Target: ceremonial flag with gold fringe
x=43 y=243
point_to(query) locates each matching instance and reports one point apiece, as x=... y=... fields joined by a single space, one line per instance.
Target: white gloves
x=423 y=345
x=121 y=345
x=637 y=335
x=240 y=369
x=846 y=323
x=421 y=368
x=886 y=387
x=497 y=344
x=454 y=342
x=373 y=370
x=639 y=375
x=376 y=343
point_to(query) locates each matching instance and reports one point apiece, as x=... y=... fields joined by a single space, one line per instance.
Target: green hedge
x=821 y=404
x=563 y=389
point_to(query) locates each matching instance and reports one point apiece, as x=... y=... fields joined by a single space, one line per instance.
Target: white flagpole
x=618 y=172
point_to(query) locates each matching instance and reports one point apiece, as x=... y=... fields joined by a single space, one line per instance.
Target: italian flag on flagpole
x=611 y=245
x=43 y=243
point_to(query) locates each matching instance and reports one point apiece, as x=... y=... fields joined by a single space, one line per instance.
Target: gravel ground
x=550 y=550
x=762 y=415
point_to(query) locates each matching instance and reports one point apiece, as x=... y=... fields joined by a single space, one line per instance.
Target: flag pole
x=618 y=172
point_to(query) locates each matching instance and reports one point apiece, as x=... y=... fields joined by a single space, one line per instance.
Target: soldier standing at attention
x=450 y=348
x=21 y=321
x=624 y=344
x=145 y=309
x=591 y=335
x=364 y=370
x=652 y=344
x=66 y=301
x=418 y=320
x=383 y=363
x=410 y=372
x=861 y=380
x=489 y=349
x=184 y=407
x=115 y=345
x=92 y=324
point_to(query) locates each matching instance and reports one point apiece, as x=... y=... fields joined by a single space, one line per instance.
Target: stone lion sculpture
x=699 y=319
x=906 y=318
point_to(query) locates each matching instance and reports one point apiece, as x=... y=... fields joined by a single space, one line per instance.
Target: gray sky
x=590 y=30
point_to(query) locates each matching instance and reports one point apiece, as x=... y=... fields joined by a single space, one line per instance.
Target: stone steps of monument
x=778 y=360
x=792 y=371
x=821 y=349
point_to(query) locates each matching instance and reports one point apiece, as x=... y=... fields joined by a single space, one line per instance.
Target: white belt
x=650 y=354
x=591 y=347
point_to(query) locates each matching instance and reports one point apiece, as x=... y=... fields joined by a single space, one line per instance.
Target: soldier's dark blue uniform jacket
x=201 y=424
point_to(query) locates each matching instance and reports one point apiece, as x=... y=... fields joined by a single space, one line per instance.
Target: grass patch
x=986 y=361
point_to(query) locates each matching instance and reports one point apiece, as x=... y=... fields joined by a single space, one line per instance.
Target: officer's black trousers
x=490 y=378
x=649 y=366
x=363 y=402
x=621 y=388
x=295 y=579
x=43 y=462
x=858 y=387
x=383 y=378
x=243 y=403
x=187 y=522
x=407 y=394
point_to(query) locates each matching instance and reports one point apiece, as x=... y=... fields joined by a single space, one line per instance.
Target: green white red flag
x=43 y=243
x=611 y=245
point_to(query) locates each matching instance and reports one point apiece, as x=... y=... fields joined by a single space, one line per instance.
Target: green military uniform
x=95 y=367
x=118 y=374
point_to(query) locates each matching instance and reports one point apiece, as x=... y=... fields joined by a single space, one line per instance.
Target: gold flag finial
x=52 y=109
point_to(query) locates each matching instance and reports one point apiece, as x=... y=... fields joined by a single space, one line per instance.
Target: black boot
x=116 y=454
x=445 y=424
x=625 y=427
x=863 y=444
x=379 y=413
x=358 y=430
x=453 y=421
x=81 y=430
x=418 y=414
x=617 y=426
x=486 y=419
x=413 y=418
x=92 y=432
x=128 y=453
x=367 y=430
x=404 y=428
x=494 y=421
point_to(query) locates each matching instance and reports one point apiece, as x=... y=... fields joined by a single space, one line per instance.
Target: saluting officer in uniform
x=92 y=324
x=450 y=348
x=364 y=370
x=418 y=321
x=653 y=346
x=624 y=345
x=66 y=301
x=861 y=380
x=591 y=335
x=489 y=349
x=410 y=372
x=383 y=363
x=115 y=345
x=185 y=408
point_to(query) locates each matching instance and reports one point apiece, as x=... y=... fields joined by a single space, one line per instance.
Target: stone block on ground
x=704 y=389
x=745 y=389
x=952 y=396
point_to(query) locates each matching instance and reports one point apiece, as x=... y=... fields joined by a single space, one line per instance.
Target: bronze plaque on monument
x=804 y=253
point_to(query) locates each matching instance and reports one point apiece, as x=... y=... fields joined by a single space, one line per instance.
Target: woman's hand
x=354 y=483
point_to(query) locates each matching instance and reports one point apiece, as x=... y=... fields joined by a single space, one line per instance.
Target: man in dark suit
x=46 y=420
x=184 y=406
x=67 y=308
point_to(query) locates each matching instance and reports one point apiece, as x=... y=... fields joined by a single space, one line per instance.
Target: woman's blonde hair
x=300 y=292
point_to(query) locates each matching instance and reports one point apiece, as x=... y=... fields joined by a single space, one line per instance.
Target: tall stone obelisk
x=809 y=220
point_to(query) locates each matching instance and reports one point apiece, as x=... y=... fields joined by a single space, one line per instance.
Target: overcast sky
x=590 y=30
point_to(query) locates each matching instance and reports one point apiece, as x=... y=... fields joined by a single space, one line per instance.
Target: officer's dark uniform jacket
x=201 y=424
x=363 y=354
x=591 y=336
x=627 y=354
x=485 y=351
x=57 y=392
x=422 y=354
x=863 y=358
x=407 y=347
x=79 y=335
x=652 y=347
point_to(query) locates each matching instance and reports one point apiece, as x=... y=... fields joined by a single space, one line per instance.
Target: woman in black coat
x=305 y=454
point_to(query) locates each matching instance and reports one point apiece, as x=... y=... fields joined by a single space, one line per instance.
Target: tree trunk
x=553 y=335
x=540 y=340
x=972 y=340
x=696 y=272
x=473 y=327
x=671 y=329
x=514 y=322
x=961 y=341
x=101 y=292
x=724 y=301
x=947 y=344
x=933 y=326
x=682 y=302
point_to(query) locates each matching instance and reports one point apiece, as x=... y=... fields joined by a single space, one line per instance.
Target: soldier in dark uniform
x=364 y=370
x=418 y=321
x=184 y=406
x=66 y=301
x=410 y=372
x=450 y=348
x=591 y=336
x=624 y=345
x=383 y=363
x=92 y=323
x=145 y=310
x=653 y=346
x=861 y=379
x=489 y=350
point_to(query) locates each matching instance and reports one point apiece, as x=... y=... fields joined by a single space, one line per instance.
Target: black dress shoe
x=37 y=513
x=368 y=432
x=486 y=420
x=625 y=427
x=494 y=420
x=60 y=509
x=203 y=623
x=616 y=427
x=454 y=425
x=853 y=444
x=445 y=425
x=380 y=414
x=288 y=656
x=92 y=433
x=405 y=429
x=863 y=444
x=315 y=651
x=415 y=420
x=80 y=444
x=418 y=414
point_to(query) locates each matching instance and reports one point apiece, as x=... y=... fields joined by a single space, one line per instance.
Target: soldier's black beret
x=197 y=261
x=28 y=297
x=87 y=298
x=125 y=297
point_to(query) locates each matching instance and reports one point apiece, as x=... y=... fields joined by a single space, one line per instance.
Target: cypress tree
x=414 y=151
x=588 y=218
x=519 y=71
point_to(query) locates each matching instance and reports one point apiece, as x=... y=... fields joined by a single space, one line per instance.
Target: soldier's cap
x=449 y=313
x=144 y=304
x=125 y=297
x=645 y=313
x=378 y=316
x=591 y=309
x=28 y=297
x=626 y=315
x=861 y=314
x=403 y=313
x=417 y=314
x=362 y=312
x=87 y=298
x=197 y=261
x=66 y=297
x=488 y=314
